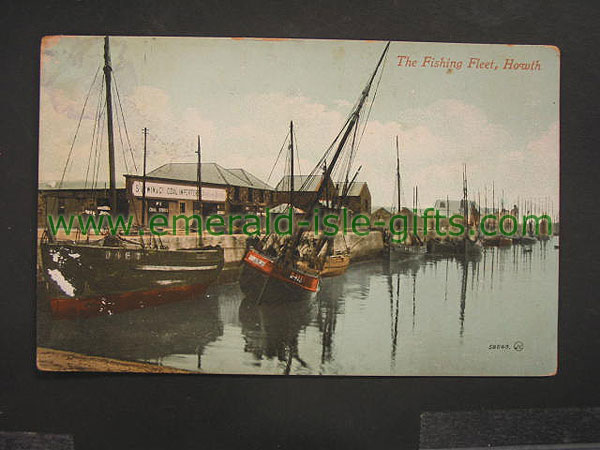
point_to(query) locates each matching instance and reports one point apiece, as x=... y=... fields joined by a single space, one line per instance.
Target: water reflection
x=380 y=317
x=330 y=304
x=148 y=334
x=271 y=330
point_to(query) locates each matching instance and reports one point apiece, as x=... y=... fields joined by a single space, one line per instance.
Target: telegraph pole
x=199 y=183
x=145 y=132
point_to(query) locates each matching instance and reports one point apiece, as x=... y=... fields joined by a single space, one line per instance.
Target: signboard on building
x=178 y=191
x=158 y=206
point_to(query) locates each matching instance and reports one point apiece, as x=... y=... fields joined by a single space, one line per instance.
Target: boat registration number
x=297 y=277
x=255 y=260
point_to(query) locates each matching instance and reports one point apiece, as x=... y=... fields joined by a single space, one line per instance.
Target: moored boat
x=279 y=266
x=262 y=276
x=335 y=264
x=463 y=245
x=412 y=246
x=497 y=241
x=115 y=274
x=91 y=279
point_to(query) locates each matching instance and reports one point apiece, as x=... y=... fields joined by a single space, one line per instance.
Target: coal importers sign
x=177 y=191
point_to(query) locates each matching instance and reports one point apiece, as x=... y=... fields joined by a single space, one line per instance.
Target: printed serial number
x=518 y=346
x=499 y=347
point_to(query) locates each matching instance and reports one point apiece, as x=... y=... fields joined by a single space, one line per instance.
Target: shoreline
x=51 y=360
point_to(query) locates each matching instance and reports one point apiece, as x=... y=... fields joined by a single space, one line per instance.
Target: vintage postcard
x=298 y=207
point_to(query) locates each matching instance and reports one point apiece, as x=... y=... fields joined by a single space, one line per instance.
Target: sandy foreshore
x=50 y=360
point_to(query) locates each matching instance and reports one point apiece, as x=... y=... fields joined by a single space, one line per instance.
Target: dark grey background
x=133 y=411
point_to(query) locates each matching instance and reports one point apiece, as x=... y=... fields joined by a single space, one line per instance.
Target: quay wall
x=234 y=246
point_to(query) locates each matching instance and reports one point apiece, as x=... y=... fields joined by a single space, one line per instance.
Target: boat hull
x=110 y=304
x=497 y=241
x=454 y=247
x=401 y=251
x=263 y=279
x=527 y=240
x=335 y=265
x=87 y=274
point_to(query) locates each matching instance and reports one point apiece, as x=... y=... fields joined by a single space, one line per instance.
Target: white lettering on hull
x=175 y=268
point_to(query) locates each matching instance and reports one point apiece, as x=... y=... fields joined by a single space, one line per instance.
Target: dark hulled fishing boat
x=281 y=269
x=463 y=245
x=115 y=273
x=497 y=241
x=91 y=279
x=458 y=246
x=412 y=246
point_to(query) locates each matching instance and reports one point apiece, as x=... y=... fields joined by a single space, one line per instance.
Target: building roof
x=312 y=183
x=356 y=187
x=212 y=173
x=382 y=209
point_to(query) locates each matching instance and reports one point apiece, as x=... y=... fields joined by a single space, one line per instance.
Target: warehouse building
x=357 y=200
x=77 y=197
x=172 y=189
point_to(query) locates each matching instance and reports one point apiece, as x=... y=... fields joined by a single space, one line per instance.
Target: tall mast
x=398 y=175
x=291 y=164
x=109 y=127
x=352 y=122
x=145 y=131
x=199 y=184
x=417 y=196
x=326 y=185
x=465 y=196
x=494 y=201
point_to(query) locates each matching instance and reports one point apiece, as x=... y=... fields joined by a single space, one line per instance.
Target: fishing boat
x=528 y=240
x=335 y=264
x=117 y=273
x=457 y=246
x=497 y=241
x=464 y=245
x=412 y=246
x=290 y=268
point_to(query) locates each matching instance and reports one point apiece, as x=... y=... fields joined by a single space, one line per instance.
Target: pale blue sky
x=240 y=94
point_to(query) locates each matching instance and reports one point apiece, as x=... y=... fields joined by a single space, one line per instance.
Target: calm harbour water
x=494 y=315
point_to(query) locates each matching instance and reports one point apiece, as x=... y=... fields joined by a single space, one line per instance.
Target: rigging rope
x=123 y=154
x=96 y=120
x=278 y=156
x=62 y=178
x=297 y=152
x=373 y=99
x=124 y=122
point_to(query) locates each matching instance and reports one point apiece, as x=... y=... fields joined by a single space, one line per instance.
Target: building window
x=261 y=197
x=250 y=195
x=236 y=193
x=181 y=207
